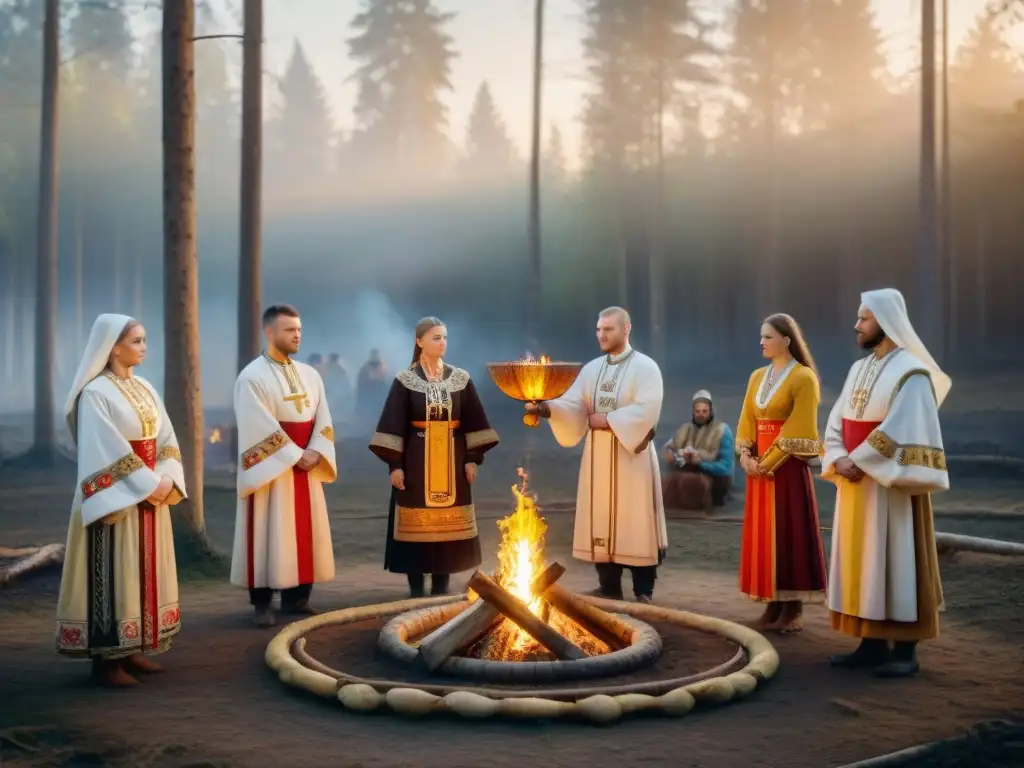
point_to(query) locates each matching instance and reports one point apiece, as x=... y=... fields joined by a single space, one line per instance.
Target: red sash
x=856 y=432
x=767 y=431
x=300 y=433
x=146 y=450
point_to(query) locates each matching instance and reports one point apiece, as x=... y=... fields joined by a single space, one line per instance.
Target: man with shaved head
x=615 y=404
x=883 y=450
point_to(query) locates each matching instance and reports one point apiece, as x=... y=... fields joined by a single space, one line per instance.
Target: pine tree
x=299 y=140
x=847 y=64
x=490 y=154
x=405 y=60
x=987 y=72
x=554 y=165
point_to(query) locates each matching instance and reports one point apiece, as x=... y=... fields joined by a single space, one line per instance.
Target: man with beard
x=883 y=450
x=286 y=454
x=700 y=460
x=614 y=405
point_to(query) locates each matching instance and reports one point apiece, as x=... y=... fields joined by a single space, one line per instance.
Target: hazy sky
x=494 y=41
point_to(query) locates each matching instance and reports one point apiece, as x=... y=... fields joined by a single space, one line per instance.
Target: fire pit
x=522 y=627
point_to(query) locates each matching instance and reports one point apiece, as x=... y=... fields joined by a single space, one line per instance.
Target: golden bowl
x=533 y=380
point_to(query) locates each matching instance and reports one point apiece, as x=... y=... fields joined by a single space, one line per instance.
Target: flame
x=215 y=436
x=521 y=553
x=529 y=358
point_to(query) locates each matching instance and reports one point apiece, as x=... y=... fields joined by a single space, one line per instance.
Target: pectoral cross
x=298 y=398
x=859 y=400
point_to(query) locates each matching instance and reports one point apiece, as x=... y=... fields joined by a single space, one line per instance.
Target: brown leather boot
x=111 y=674
x=139 y=663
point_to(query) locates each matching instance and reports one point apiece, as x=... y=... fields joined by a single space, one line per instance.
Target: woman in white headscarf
x=118 y=599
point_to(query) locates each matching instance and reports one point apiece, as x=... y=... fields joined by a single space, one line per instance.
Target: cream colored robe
x=119 y=585
x=276 y=544
x=872 y=573
x=620 y=515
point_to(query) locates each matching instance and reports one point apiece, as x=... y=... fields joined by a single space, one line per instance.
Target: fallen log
x=518 y=612
x=470 y=625
x=606 y=627
x=954 y=542
x=44 y=557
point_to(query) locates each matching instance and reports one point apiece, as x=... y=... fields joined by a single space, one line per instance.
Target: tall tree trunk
x=182 y=370
x=79 y=255
x=768 y=275
x=44 y=448
x=981 y=262
x=656 y=269
x=9 y=256
x=533 y=290
x=948 y=237
x=929 y=277
x=250 y=245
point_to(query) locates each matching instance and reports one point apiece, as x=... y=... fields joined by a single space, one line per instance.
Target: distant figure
x=782 y=561
x=339 y=388
x=700 y=460
x=372 y=385
x=316 y=360
x=883 y=450
x=286 y=454
x=614 y=405
x=432 y=425
x=118 y=600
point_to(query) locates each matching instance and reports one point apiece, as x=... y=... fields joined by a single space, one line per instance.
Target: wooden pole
x=518 y=612
x=470 y=625
x=929 y=277
x=46 y=275
x=250 y=247
x=607 y=628
x=533 y=292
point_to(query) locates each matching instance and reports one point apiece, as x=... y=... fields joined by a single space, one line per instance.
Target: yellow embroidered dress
x=782 y=556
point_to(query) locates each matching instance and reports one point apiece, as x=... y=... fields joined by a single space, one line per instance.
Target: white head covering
x=890 y=310
x=102 y=339
x=701 y=394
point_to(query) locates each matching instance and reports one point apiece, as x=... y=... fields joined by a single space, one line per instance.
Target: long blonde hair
x=422 y=327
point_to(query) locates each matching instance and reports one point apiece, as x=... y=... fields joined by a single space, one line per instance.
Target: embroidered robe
x=282 y=533
x=119 y=585
x=620 y=514
x=884 y=571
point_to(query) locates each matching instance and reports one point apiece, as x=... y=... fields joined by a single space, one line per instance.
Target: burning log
x=604 y=626
x=470 y=625
x=519 y=613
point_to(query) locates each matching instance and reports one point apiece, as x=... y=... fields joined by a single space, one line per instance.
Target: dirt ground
x=218 y=704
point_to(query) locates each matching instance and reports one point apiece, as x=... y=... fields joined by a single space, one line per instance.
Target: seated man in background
x=700 y=460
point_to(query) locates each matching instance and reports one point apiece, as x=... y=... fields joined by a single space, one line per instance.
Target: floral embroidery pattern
x=170 y=618
x=800 y=446
x=71 y=637
x=264 y=449
x=169 y=452
x=105 y=478
x=907 y=455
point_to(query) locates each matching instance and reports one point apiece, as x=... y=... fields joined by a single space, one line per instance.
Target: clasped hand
x=398 y=476
x=308 y=460
x=162 y=491
x=846 y=468
x=599 y=421
x=751 y=466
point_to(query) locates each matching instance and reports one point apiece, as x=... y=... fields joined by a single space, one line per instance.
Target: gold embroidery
x=328 y=433
x=606 y=402
x=868 y=375
x=388 y=442
x=905 y=378
x=296 y=391
x=882 y=443
x=105 y=478
x=456 y=382
x=433 y=524
x=922 y=456
x=481 y=437
x=742 y=445
x=141 y=400
x=169 y=452
x=907 y=455
x=264 y=449
x=799 y=446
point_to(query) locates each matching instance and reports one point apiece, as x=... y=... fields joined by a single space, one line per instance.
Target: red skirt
x=782 y=556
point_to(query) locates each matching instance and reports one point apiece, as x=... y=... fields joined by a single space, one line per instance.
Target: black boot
x=870 y=653
x=902 y=662
x=439 y=583
x=415 y=584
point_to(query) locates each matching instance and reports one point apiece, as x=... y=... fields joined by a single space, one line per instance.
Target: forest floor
x=218 y=704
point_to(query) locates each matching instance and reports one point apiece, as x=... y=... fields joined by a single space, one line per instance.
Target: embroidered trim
x=264 y=449
x=169 y=452
x=142 y=400
x=799 y=446
x=388 y=442
x=907 y=455
x=72 y=637
x=174 y=497
x=744 y=444
x=327 y=433
x=456 y=382
x=906 y=377
x=481 y=437
x=105 y=478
